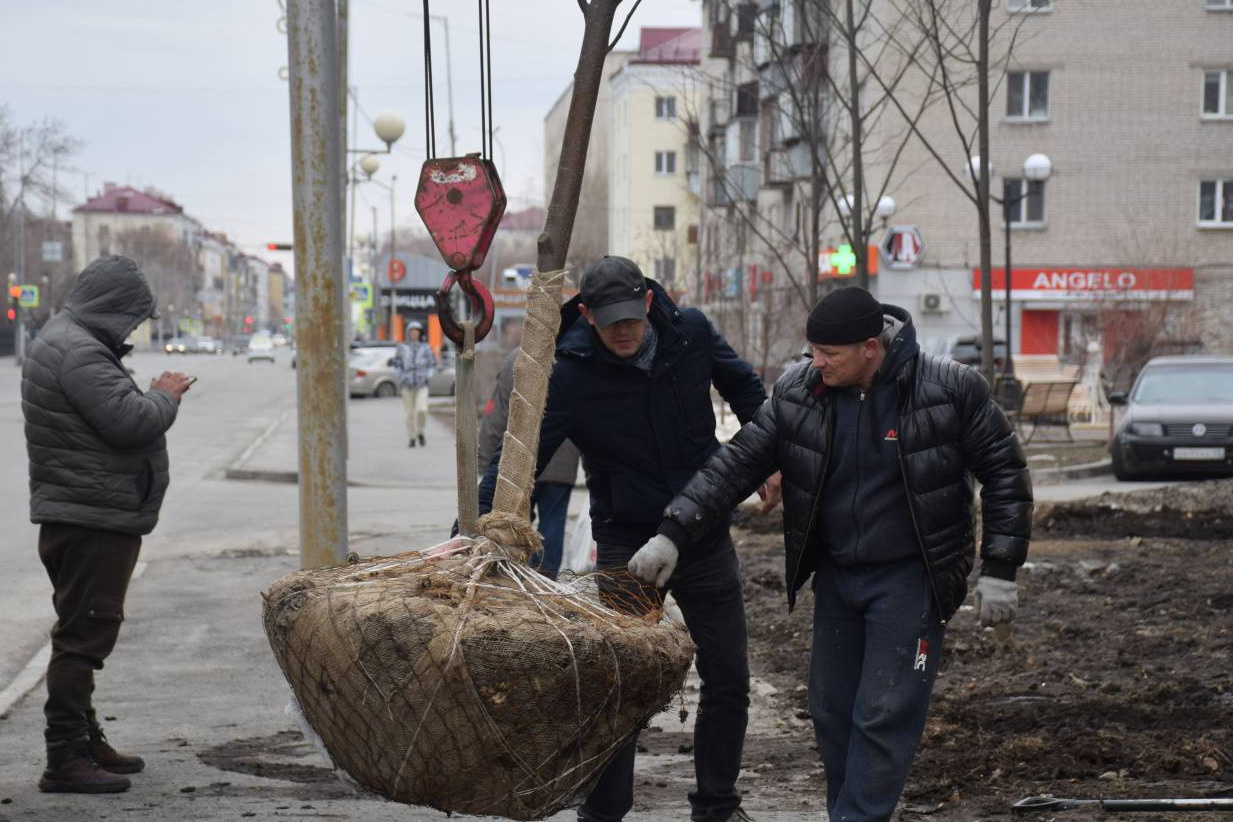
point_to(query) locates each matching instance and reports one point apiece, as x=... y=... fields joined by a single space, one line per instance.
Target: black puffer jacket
x=950 y=432
x=98 y=457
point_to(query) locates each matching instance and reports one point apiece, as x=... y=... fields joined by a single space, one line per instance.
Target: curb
x=1091 y=469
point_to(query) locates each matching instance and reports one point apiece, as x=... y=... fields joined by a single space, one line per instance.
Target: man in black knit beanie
x=880 y=447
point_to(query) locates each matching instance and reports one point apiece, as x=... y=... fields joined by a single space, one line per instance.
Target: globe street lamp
x=1036 y=169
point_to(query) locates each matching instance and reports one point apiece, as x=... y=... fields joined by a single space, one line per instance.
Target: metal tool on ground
x=1048 y=802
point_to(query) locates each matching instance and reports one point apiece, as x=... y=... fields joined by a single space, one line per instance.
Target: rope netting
x=459 y=679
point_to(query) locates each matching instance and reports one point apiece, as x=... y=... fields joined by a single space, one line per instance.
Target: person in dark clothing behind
x=98 y=472
x=631 y=388
x=878 y=445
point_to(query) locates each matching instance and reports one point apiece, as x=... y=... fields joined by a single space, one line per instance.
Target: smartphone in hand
x=191 y=379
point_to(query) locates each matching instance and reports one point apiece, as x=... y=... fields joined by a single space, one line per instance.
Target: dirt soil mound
x=1199 y=510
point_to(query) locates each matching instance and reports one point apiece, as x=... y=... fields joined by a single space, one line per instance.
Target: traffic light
x=12 y=315
x=279 y=246
x=14 y=302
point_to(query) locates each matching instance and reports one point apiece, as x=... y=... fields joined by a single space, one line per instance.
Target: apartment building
x=1111 y=147
x=654 y=182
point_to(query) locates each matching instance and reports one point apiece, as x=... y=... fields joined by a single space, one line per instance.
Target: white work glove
x=654 y=562
x=997 y=600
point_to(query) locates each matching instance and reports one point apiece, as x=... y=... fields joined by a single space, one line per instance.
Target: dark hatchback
x=1179 y=419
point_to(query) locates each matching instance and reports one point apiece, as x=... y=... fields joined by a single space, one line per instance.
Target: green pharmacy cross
x=843 y=260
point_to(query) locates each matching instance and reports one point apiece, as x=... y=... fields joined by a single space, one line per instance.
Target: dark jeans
x=707 y=587
x=551 y=502
x=89 y=570
x=877 y=642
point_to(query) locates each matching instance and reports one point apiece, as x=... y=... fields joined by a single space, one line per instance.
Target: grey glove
x=654 y=562
x=997 y=600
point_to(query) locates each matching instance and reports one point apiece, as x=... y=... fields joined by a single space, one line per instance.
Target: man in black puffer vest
x=879 y=446
x=98 y=472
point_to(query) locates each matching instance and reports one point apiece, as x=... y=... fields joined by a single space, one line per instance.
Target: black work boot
x=108 y=757
x=72 y=769
x=422 y=440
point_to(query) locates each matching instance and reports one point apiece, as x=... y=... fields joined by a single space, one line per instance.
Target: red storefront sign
x=1082 y=284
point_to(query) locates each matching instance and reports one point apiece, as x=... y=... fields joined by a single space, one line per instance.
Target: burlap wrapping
x=516 y=477
x=468 y=682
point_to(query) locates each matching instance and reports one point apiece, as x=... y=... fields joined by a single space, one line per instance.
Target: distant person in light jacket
x=415 y=364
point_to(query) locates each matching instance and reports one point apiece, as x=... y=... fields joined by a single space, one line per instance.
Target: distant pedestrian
x=881 y=447
x=98 y=472
x=550 y=497
x=415 y=364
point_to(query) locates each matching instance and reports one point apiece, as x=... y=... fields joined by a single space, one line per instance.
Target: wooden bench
x=1045 y=402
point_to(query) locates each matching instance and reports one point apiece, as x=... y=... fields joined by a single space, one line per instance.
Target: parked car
x=239 y=345
x=1178 y=419
x=209 y=345
x=441 y=384
x=261 y=348
x=371 y=373
x=179 y=345
x=966 y=350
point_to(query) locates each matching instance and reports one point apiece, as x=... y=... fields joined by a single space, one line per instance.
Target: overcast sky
x=186 y=96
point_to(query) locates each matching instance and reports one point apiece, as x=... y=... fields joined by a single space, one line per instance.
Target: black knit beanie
x=845 y=316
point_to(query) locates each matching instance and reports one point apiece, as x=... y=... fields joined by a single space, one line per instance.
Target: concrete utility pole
x=316 y=164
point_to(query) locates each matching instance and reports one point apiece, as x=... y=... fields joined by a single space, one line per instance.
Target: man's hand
x=997 y=600
x=770 y=492
x=655 y=561
x=174 y=384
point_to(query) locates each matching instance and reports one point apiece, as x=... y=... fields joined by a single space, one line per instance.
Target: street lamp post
x=1036 y=169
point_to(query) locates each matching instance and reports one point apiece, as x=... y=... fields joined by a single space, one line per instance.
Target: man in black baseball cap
x=631 y=388
x=615 y=300
x=880 y=447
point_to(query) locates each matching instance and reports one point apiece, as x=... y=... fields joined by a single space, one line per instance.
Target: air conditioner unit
x=934 y=303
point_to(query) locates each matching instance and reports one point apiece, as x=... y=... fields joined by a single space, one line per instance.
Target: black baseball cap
x=614 y=289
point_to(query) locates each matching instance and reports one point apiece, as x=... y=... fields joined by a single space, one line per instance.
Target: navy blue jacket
x=641 y=437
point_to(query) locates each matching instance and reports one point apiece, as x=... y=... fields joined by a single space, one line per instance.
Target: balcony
x=716 y=193
x=744 y=180
x=779 y=168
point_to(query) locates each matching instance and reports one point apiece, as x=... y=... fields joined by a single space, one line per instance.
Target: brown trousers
x=90 y=571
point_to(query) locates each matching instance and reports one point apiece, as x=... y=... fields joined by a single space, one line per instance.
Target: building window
x=665 y=108
x=665 y=270
x=1020 y=209
x=1216 y=202
x=1029 y=5
x=1220 y=5
x=665 y=218
x=1027 y=95
x=747 y=99
x=1218 y=93
x=665 y=162
x=748 y=144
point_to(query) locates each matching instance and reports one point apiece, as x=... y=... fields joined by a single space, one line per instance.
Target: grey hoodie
x=98 y=457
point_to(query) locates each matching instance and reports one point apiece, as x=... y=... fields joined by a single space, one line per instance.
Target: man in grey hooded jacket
x=98 y=472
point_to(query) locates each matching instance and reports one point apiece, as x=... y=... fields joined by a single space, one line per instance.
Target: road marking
x=36 y=668
x=261 y=438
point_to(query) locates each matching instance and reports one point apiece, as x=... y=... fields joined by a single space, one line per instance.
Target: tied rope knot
x=509 y=534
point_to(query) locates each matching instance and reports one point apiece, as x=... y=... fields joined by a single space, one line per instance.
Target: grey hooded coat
x=98 y=457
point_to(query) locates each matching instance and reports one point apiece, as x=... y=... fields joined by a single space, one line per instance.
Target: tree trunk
x=986 y=242
x=563 y=206
x=859 y=246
